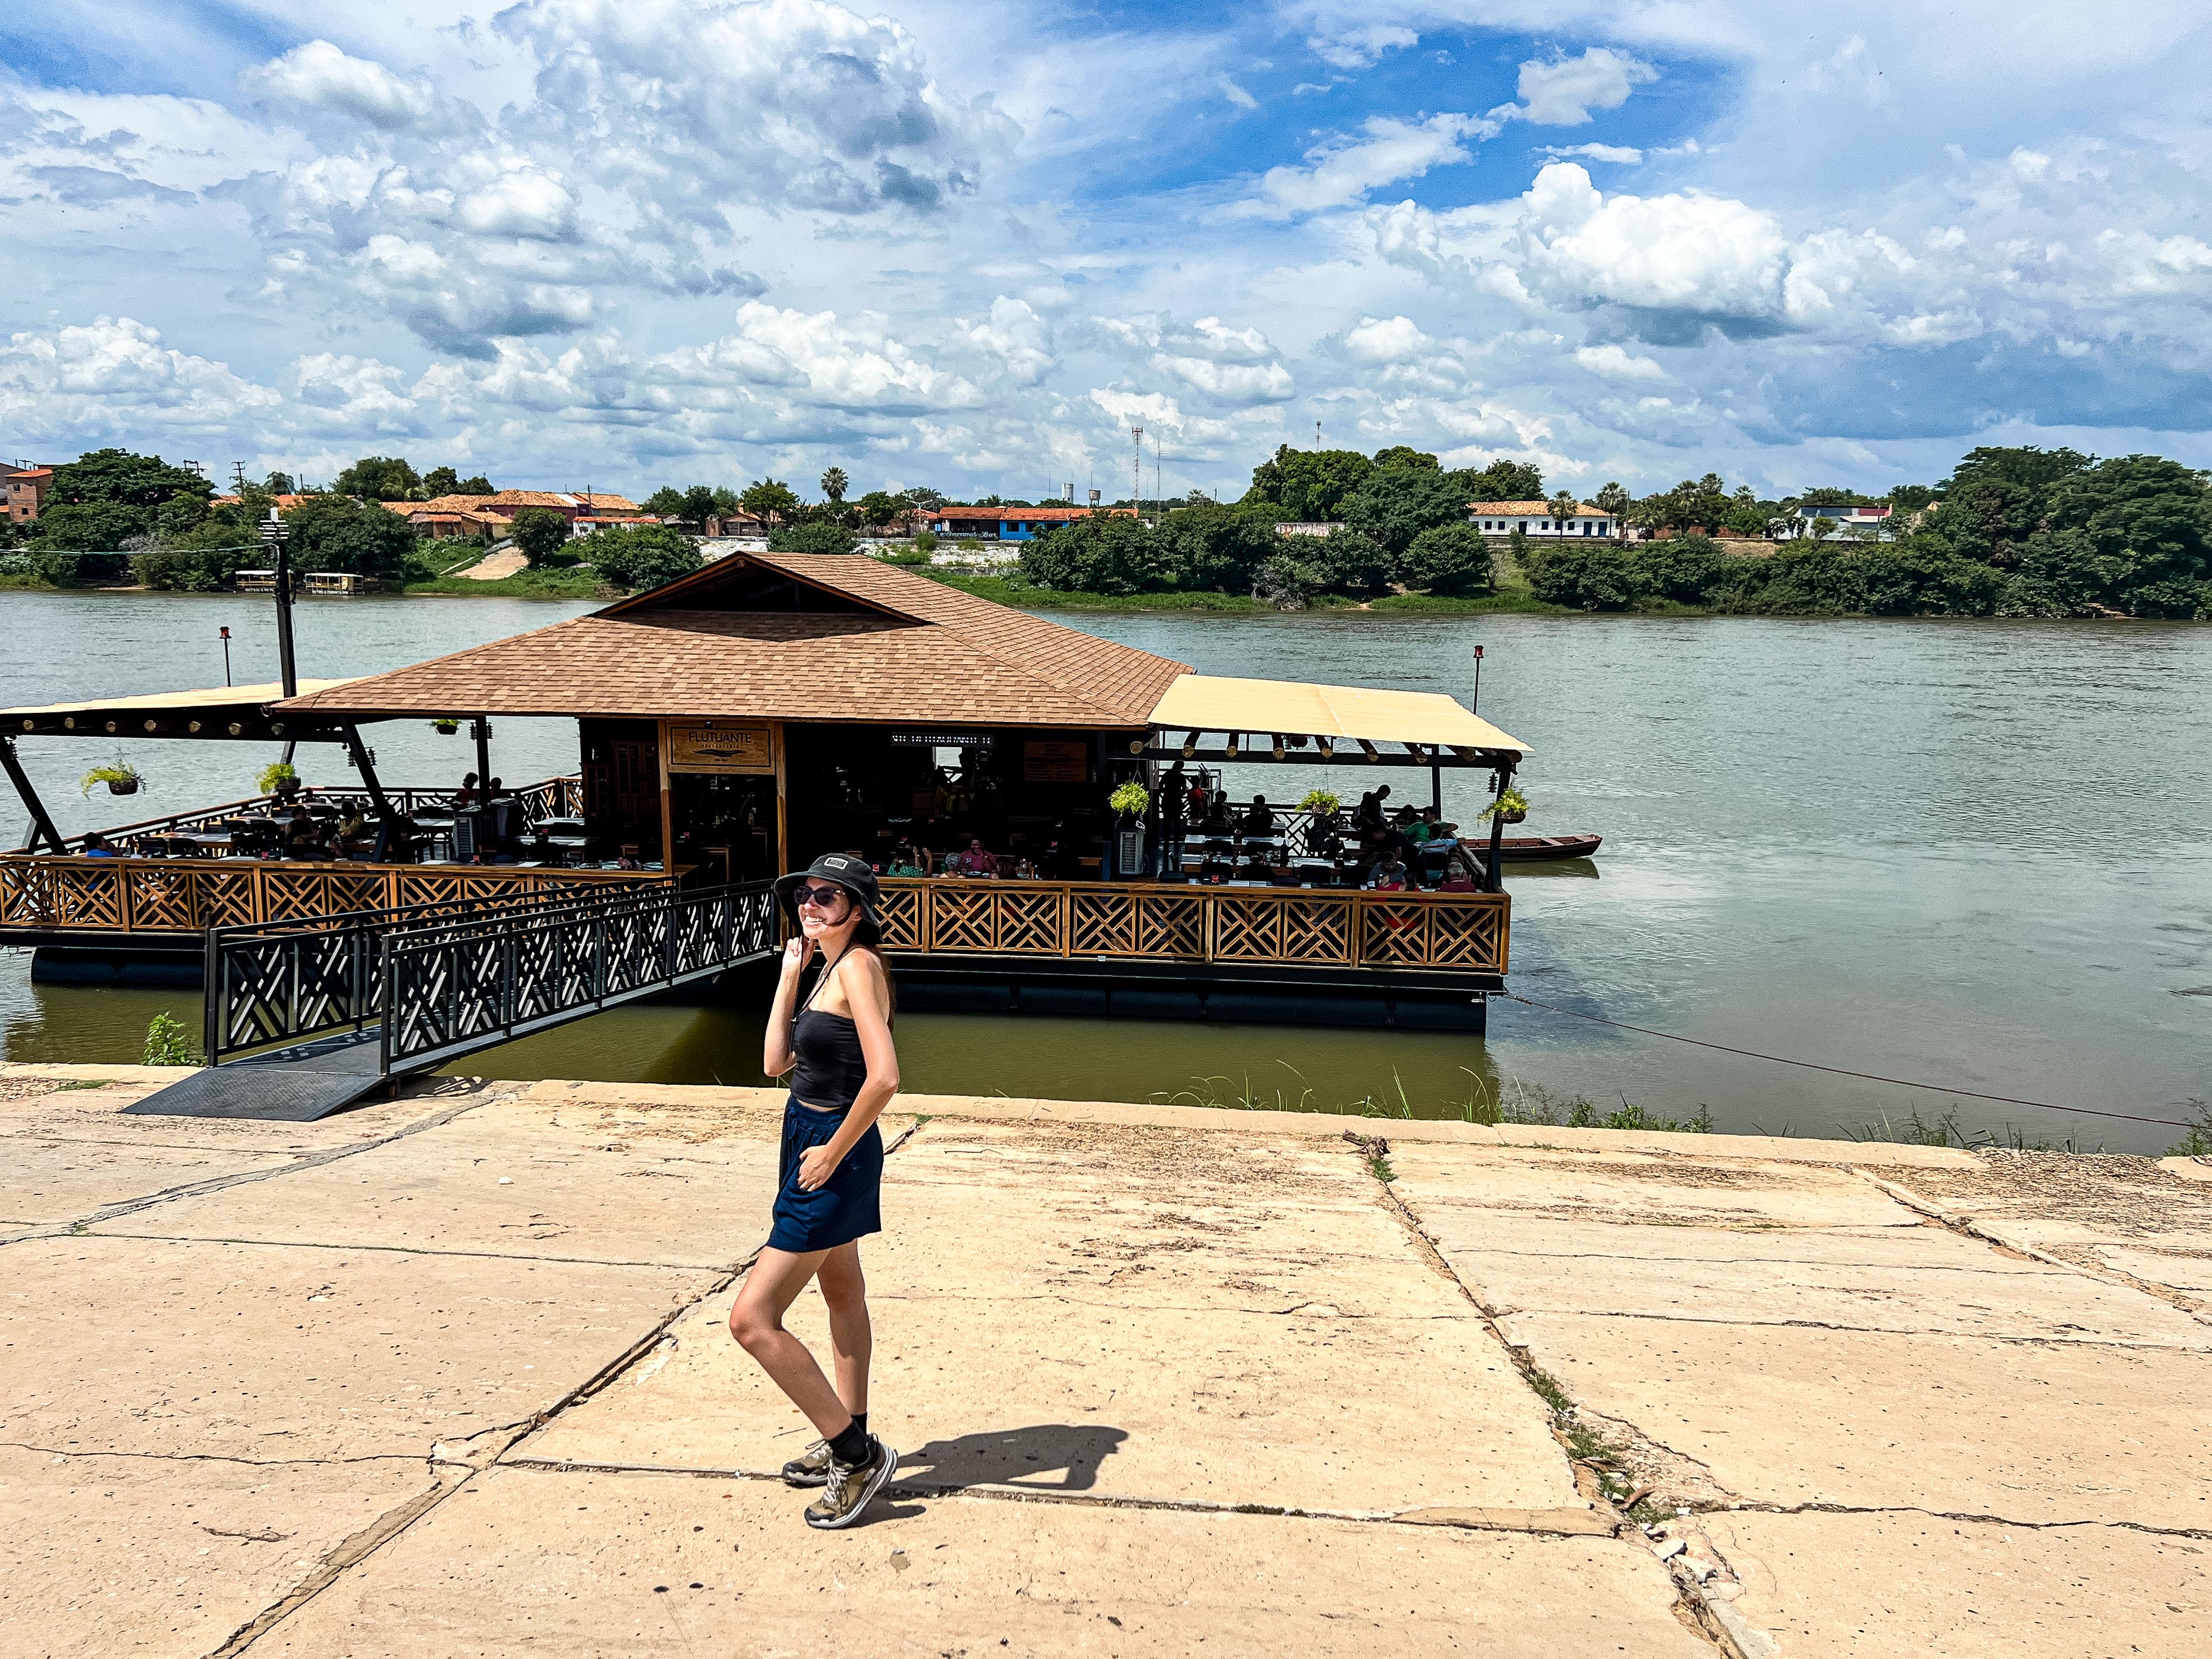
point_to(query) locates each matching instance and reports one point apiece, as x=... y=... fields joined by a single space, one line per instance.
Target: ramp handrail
x=274 y=984
x=451 y=988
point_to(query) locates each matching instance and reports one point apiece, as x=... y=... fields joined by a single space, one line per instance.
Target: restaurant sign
x=945 y=739
x=1046 y=762
x=719 y=746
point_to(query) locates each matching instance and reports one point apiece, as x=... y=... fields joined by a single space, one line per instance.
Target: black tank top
x=828 y=1066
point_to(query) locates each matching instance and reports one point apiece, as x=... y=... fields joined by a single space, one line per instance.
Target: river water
x=1976 y=854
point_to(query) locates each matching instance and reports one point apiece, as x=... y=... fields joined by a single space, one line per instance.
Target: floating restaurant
x=770 y=707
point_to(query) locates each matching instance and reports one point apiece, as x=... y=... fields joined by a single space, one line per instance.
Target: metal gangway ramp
x=305 y=1018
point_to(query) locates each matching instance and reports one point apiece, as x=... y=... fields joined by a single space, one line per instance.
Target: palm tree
x=1562 y=507
x=833 y=483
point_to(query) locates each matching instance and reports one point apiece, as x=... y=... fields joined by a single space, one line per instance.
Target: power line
x=1840 y=1071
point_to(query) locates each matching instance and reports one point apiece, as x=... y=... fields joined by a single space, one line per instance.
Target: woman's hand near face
x=798 y=950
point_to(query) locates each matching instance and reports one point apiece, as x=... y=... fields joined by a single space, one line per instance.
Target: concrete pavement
x=450 y=1375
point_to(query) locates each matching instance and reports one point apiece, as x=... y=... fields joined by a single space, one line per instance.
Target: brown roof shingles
x=929 y=654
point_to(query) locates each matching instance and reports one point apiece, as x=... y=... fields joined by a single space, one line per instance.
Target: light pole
x=274 y=534
x=226 y=656
x=1475 y=706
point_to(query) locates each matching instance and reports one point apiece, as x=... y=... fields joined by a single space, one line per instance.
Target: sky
x=582 y=244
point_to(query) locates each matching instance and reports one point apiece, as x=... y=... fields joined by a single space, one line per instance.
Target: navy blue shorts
x=842 y=1209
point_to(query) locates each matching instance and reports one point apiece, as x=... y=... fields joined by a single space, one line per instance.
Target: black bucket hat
x=841 y=870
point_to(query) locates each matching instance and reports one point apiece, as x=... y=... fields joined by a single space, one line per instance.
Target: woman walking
x=837 y=1047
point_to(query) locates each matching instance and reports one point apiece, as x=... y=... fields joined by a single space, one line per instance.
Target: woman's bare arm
x=777 y=1057
x=867 y=994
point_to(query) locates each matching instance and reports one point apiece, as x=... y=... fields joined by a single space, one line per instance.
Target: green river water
x=1978 y=853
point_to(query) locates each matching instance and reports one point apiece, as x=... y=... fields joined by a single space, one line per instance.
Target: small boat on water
x=1527 y=848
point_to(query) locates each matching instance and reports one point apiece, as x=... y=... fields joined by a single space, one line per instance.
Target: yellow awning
x=215 y=696
x=1212 y=702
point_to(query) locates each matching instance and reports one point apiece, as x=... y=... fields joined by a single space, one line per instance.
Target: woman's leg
x=852 y=1339
x=776 y=1278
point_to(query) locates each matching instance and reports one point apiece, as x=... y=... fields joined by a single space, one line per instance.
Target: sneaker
x=810 y=1467
x=849 y=1487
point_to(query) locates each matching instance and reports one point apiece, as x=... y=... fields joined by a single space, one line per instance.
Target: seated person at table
x=1434 y=827
x=1462 y=872
x=1257 y=820
x=1390 y=876
x=353 y=823
x=1217 y=822
x=903 y=861
x=1024 y=871
x=1368 y=815
x=96 y=847
x=977 y=861
x=301 y=840
x=468 y=796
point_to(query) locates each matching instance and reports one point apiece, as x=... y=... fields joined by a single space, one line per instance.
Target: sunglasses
x=820 y=897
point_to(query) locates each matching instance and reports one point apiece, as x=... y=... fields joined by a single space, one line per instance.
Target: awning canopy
x=217 y=711
x=1351 y=714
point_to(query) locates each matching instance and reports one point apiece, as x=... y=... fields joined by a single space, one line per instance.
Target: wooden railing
x=554 y=797
x=183 y=897
x=1312 y=928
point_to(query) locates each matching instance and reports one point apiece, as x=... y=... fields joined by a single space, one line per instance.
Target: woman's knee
x=753 y=1327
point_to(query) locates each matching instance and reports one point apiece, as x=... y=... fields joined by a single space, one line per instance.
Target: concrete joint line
x=219 y=1183
x=1711 y=1616
x=1543 y=1523
x=1970 y=1228
x=1968 y=1516
x=87 y=1231
x=505 y=1437
x=1868 y=1330
x=218 y=1457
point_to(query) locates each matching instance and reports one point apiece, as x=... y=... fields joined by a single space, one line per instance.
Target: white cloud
x=1387 y=340
x=1621 y=154
x=1618 y=363
x=1361 y=45
x=1563 y=91
x=1342 y=172
x=317 y=75
x=114 y=375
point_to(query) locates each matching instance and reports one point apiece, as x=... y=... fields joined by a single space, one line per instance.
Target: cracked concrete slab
x=2031 y=1432
x=1918 y=1584
x=998 y=1349
x=33 y=1102
x=533 y=1563
x=524 y=1177
x=102 y=1556
x=2057 y=1200
x=276 y=1352
x=48 y=1183
x=1896 y=1279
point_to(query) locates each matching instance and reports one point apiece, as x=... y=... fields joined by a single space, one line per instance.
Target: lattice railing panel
x=1028 y=920
x=1170 y=925
x=962 y=918
x=163 y=896
x=1394 y=934
x=1247 y=927
x=1101 y=924
x=899 y=913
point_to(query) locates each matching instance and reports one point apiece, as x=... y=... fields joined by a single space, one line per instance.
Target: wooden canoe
x=1525 y=848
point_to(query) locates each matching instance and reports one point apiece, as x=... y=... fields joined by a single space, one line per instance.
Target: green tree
x=1397 y=503
x=666 y=502
x=641 y=556
x=1747 y=514
x=441 y=481
x=95 y=526
x=1451 y=558
x=1100 y=553
x=769 y=497
x=1308 y=486
x=1353 y=563
x=179 y=516
x=1588 y=574
x=378 y=478
x=190 y=570
x=1503 y=481
x=1402 y=455
x=816 y=537
x=336 y=532
x=879 y=508
x=1614 y=500
x=834 y=483
x=727 y=505
x=539 y=534
x=698 y=504
x=476 y=484
x=126 y=479
x=1215 y=548
x=1563 y=506
x=278 y=483
x=2144 y=527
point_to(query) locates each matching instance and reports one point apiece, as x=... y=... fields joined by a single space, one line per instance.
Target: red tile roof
x=917 y=652
x=1531 y=510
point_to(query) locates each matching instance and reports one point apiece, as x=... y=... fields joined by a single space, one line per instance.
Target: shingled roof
x=795 y=636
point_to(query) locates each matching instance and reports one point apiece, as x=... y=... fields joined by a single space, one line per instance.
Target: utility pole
x=1317 y=435
x=238 y=477
x=1137 y=471
x=1159 y=491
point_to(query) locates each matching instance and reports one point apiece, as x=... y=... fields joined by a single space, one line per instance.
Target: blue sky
x=971 y=245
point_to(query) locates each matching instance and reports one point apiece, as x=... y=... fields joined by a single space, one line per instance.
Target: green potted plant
x=1511 y=807
x=1321 y=803
x=121 y=779
x=1130 y=800
x=446 y=727
x=280 y=779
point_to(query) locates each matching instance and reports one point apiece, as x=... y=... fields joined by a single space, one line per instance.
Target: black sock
x=850 y=1447
x=860 y=1421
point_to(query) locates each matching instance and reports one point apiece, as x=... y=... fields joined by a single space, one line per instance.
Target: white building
x=1819 y=521
x=1535 y=519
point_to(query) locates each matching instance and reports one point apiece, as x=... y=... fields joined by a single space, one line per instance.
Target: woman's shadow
x=1026 y=1458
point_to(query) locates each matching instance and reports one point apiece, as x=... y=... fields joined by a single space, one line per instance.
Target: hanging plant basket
x=122 y=786
x=121 y=779
x=446 y=727
x=1511 y=807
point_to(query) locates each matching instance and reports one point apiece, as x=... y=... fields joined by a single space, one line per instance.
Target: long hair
x=868 y=935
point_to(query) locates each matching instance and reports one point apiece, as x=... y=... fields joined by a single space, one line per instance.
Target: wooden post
x=367 y=770
x=782 y=828
x=480 y=728
x=668 y=803
x=1497 y=831
x=40 y=823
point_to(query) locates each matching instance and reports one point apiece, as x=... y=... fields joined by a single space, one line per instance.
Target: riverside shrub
x=1451 y=558
x=638 y=556
x=1100 y=553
